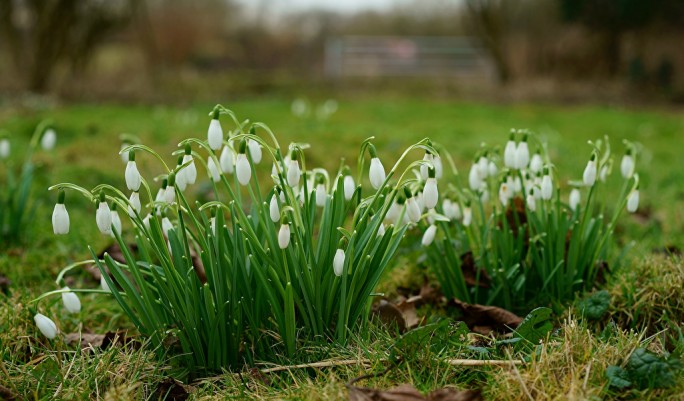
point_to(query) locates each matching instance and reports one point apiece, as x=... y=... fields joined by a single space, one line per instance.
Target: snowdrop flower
x=116 y=220
x=546 y=186
x=293 y=171
x=45 y=325
x=394 y=210
x=226 y=160
x=511 y=185
x=492 y=169
x=377 y=171
x=254 y=150
x=522 y=154
x=474 y=178
x=381 y=230
x=181 y=179
x=338 y=262
x=574 y=199
x=124 y=155
x=412 y=208
x=190 y=171
x=162 y=190
x=603 y=173
x=589 y=175
x=536 y=164
x=4 y=148
x=320 y=194
x=166 y=225
x=284 y=235
x=531 y=200
x=439 y=169
x=424 y=167
x=49 y=139
x=627 y=164
x=430 y=192
x=60 y=216
x=146 y=220
x=132 y=175
x=467 y=216
x=134 y=204
x=103 y=216
x=242 y=168
x=483 y=167
x=349 y=187
x=429 y=235
x=213 y=170
x=170 y=191
x=103 y=282
x=71 y=302
x=510 y=152
x=451 y=210
x=274 y=209
x=484 y=193
x=503 y=194
x=633 y=200
x=215 y=133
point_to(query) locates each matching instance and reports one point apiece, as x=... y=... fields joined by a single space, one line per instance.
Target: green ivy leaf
x=618 y=377
x=595 y=305
x=534 y=328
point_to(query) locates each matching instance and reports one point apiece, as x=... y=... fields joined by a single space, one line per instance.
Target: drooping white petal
x=509 y=154
x=103 y=284
x=60 y=219
x=242 y=169
x=293 y=173
x=627 y=166
x=190 y=170
x=633 y=201
x=381 y=230
x=214 y=172
x=574 y=200
x=320 y=195
x=503 y=194
x=492 y=169
x=45 y=325
x=215 y=134
x=226 y=160
x=349 y=187
x=338 y=262
x=135 y=205
x=170 y=194
x=132 y=175
x=546 y=187
x=536 y=164
x=274 y=209
x=483 y=167
x=424 y=167
x=603 y=173
x=116 y=222
x=71 y=302
x=474 y=178
x=467 y=216
x=254 y=150
x=166 y=226
x=413 y=210
x=429 y=235
x=522 y=156
x=531 y=201
x=4 y=148
x=49 y=139
x=589 y=175
x=376 y=173
x=284 y=236
x=439 y=168
x=430 y=193
x=103 y=217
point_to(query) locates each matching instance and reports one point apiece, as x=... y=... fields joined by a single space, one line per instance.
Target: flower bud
x=536 y=164
x=284 y=235
x=320 y=194
x=71 y=302
x=522 y=154
x=429 y=235
x=213 y=170
x=546 y=187
x=274 y=209
x=4 y=148
x=226 y=160
x=103 y=216
x=242 y=169
x=254 y=150
x=49 y=139
x=293 y=171
x=467 y=216
x=376 y=173
x=633 y=201
x=134 y=205
x=430 y=192
x=349 y=187
x=215 y=133
x=510 y=152
x=627 y=165
x=45 y=325
x=574 y=200
x=190 y=170
x=589 y=175
x=60 y=216
x=132 y=175
x=338 y=262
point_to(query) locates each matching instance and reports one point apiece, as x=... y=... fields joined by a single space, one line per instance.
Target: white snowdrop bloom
x=320 y=195
x=376 y=173
x=213 y=170
x=148 y=217
x=284 y=236
x=212 y=224
x=429 y=157
x=483 y=167
x=517 y=185
x=531 y=201
x=420 y=202
x=536 y=164
x=393 y=211
x=546 y=187
x=60 y=216
x=431 y=214
x=474 y=178
x=190 y=171
x=132 y=175
x=215 y=134
x=349 y=187
x=633 y=201
x=116 y=222
x=71 y=302
x=45 y=325
x=510 y=187
x=134 y=204
x=484 y=193
x=124 y=155
x=413 y=210
x=522 y=155
x=226 y=160
x=627 y=165
x=492 y=169
x=429 y=235
x=166 y=225
x=381 y=230
x=161 y=191
x=503 y=194
x=49 y=139
x=293 y=173
x=242 y=169
x=574 y=200
x=589 y=175
x=430 y=193
x=170 y=194
x=103 y=284
x=274 y=209
x=338 y=262
x=254 y=150
x=103 y=217
x=509 y=153
x=451 y=210
x=4 y=148
x=467 y=216
x=603 y=173
x=181 y=181
x=439 y=168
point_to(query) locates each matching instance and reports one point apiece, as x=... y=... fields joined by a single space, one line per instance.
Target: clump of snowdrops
x=512 y=236
x=16 y=206
x=265 y=266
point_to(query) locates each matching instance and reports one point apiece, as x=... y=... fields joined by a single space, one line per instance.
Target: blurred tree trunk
x=489 y=20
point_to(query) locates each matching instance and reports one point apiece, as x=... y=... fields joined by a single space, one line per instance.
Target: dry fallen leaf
x=102 y=341
x=403 y=314
x=485 y=319
x=172 y=390
x=406 y=392
x=470 y=272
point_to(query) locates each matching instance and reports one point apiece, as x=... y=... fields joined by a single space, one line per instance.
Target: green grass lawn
x=87 y=154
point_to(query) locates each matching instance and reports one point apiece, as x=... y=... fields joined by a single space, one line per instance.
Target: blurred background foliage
x=170 y=50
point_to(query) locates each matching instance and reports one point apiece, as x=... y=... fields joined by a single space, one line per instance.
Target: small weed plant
x=255 y=271
x=511 y=237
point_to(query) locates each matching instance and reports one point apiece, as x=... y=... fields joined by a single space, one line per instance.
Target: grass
x=571 y=365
